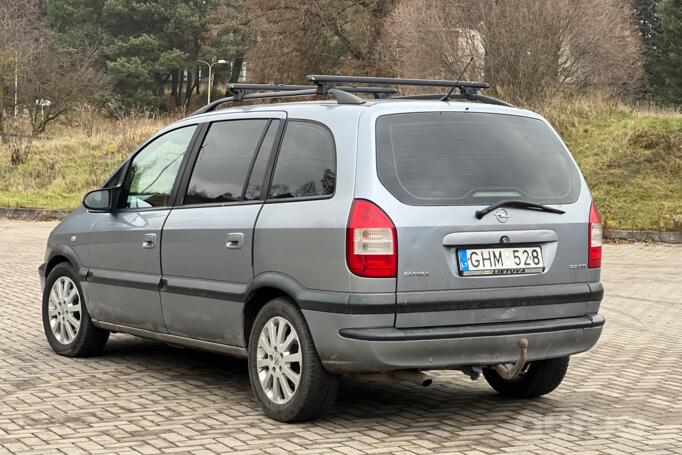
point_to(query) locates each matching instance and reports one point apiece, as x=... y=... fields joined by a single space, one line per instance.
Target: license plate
x=500 y=261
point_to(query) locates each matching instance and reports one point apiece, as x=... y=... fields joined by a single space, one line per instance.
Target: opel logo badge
x=502 y=215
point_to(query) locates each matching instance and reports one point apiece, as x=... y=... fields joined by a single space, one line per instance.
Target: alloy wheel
x=64 y=310
x=278 y=360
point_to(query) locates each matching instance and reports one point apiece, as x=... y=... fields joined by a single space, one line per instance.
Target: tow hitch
x=514 y=371
x=474 y=371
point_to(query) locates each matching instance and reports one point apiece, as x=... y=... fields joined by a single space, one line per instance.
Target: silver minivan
x=366 y=233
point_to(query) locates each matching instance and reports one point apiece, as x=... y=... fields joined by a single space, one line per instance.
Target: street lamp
x=210 y=74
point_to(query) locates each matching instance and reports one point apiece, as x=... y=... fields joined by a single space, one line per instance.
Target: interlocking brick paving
x=625 y=396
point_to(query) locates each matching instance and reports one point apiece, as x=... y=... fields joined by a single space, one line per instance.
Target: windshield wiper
x=517 y=204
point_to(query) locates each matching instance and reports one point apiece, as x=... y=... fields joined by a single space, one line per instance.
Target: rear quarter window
x=306 y=164
x=468 y=158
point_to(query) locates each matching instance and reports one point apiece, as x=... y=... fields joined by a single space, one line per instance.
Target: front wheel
x=538 y=378
x=287 y=377
x=66 y=320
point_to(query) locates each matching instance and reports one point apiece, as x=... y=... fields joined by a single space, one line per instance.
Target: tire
x=540 y=378
x=66 y=321
x=271 y=372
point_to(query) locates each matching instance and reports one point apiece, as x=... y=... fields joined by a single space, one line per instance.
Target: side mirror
x=100 y=200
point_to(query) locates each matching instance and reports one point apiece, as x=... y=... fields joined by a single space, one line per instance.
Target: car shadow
x=362 y=399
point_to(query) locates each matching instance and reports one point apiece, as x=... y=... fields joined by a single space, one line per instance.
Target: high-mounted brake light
x=595 y=237
x=371 y=241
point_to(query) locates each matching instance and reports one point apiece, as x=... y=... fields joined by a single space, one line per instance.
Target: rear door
x=208 y=237
x=441 y=167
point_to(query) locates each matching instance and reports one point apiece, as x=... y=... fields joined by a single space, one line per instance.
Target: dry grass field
x=631 y=157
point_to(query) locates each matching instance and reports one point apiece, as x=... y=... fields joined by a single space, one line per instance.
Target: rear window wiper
x=517 y=204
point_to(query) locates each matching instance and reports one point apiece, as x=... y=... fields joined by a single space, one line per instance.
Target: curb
x=611 y=234
x=20 y=213
x=645 y=236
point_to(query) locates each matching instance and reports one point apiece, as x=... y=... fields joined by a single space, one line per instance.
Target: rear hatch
x=511 y=264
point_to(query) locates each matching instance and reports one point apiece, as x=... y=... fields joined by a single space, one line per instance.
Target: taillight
x=371 y=242
x=595 y=235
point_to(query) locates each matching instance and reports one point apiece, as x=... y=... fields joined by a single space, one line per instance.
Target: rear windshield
x=467 y=158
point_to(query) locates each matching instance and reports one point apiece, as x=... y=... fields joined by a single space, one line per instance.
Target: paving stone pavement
x=624 y=396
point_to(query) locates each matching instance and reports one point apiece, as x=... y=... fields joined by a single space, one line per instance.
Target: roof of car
x=377 y=106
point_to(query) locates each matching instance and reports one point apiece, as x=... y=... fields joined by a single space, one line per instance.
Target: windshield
x=467 y=158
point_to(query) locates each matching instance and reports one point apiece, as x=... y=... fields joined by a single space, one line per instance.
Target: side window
x=224 y=160
x=152 y=172
x=260 y=165
x=306 y=165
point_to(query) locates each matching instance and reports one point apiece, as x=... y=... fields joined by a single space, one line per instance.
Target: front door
x=124 y=269
x=207 y=239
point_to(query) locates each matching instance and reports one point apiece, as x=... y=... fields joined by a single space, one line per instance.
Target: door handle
x=149 y=241
x=235 y=240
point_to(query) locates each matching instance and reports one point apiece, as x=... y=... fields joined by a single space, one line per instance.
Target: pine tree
x=649 y=28
x=145 y=43
x=668 y=54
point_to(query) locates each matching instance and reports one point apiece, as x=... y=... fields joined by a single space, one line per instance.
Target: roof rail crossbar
x=322 y=79
x=468 y=90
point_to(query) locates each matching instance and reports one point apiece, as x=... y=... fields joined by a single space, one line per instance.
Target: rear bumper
x=390 y=348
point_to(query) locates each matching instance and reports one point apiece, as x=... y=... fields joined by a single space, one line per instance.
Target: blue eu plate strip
x=463 y=262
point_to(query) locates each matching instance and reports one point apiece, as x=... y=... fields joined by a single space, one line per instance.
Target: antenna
x=447 y=96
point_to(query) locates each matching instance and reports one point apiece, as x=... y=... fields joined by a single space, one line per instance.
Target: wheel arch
x=60 y=254
x=255 y=302
x=270 y=285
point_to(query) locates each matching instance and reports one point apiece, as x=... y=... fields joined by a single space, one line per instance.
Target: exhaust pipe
x=412 y=376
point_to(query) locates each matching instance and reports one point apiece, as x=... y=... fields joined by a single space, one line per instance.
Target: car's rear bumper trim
x=475 y=330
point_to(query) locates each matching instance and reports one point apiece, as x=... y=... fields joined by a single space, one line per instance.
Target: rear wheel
x=66 y=320
x=538 y=378
x=287 y=377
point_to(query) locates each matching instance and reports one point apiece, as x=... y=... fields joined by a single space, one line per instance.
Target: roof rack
x=468 y=90
x=343 y=95
x=328 y=85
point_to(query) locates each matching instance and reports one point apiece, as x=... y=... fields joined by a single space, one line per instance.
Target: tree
x=228 y=35
x=150 y=43
x=527 y=48
x=145 y=44
x=76 y=21
x=292 y=39
x=648 y=21
x=650 y=29
x=668 y=57
x=18 y=28
x=48 y=79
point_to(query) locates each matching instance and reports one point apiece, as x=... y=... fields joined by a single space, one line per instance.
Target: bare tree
x=527 y=48
x=46 y=80
x=18 y=26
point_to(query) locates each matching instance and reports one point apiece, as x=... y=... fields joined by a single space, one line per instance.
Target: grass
x=630 y=156
x=71 y=160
